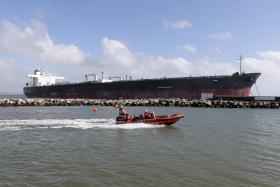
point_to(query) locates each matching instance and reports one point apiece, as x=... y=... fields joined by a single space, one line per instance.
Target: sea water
x=73 y=146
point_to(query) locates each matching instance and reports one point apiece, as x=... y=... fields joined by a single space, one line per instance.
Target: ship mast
x=240 y=64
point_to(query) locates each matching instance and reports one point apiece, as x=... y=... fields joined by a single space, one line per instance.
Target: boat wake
x=16 y=124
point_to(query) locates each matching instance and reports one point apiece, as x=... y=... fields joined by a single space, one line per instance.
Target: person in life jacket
x=122 y=112
x=148 y=115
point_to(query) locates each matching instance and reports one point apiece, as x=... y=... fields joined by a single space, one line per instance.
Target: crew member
x=123 y=112
x=149 y=115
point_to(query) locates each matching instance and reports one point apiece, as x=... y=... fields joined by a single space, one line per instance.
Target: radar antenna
x=240 y=64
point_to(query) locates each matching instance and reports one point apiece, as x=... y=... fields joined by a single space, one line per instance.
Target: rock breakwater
x=141 y=102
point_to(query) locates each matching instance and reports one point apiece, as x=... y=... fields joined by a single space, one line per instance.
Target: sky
x=142 y=39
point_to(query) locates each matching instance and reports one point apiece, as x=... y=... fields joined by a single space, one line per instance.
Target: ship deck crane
x=92 y=74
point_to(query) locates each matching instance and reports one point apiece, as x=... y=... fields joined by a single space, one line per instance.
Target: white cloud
x=268 y=63
x=11 y=76
x=181 y=24
x=189 y=48
x=116 y=51
x=218 y=50
x=118 y=59
x=34 y=42
x=270 y=55
x=221 y=35
x=159 y=66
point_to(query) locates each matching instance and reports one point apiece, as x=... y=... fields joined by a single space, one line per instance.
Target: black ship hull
x=182 y=87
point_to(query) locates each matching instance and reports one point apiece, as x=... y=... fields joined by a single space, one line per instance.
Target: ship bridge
x=42 y=78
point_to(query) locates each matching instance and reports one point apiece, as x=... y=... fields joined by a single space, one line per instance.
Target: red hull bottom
x=156 y=120
x=142 y=94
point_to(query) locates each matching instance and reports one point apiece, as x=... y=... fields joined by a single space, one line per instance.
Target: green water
x=71 y=146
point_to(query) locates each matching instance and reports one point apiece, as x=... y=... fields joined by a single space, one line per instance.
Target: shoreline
x=14 y=102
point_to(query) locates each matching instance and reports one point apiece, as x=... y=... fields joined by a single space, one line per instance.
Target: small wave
x=17 y=124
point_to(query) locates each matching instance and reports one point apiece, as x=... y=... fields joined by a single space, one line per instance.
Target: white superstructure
x=41 y=78
x=95 y=79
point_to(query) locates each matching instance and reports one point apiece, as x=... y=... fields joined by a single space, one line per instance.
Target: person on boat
x=149 y=115
x=122 y=112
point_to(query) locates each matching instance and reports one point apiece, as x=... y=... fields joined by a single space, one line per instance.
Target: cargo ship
x=45 y=85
